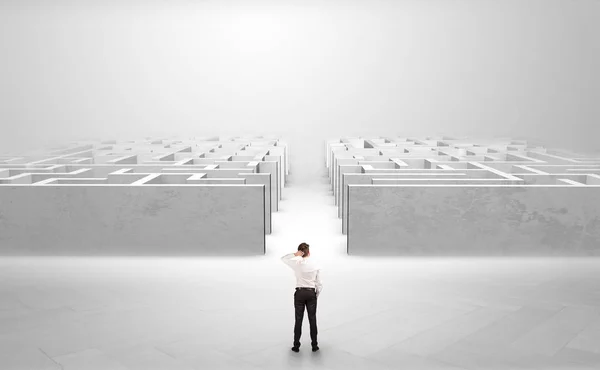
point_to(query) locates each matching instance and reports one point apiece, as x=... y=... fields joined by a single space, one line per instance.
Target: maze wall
x=197 y=196
x=449 y=196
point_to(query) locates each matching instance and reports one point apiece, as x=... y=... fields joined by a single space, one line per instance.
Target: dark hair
x=304 y=248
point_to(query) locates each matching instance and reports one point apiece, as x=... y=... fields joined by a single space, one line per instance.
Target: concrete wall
x=132 y=220
x=404 y=176
x=473 y=220
x=263 y=179
x=273 y=169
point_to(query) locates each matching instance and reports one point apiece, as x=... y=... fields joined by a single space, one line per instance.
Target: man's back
x=307 y=271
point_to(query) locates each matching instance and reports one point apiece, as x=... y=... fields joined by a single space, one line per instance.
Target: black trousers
x=305 y=298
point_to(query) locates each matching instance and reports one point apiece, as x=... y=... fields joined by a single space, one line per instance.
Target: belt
x=297 y=288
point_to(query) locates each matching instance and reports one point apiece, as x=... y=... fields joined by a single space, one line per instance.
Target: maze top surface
x=150 y=161
x=448 y=161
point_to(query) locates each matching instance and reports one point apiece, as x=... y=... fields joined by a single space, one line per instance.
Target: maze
x=205 y=196
x=460 y=196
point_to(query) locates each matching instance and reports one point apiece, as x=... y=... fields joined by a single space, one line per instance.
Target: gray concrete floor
x=237 y=313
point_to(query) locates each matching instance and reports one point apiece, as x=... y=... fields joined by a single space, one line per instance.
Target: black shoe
x=315 y=348
x=296 y=349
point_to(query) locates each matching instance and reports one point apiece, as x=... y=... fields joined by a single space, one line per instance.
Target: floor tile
x=558 y=331
x=90 y=359
x=443 y=335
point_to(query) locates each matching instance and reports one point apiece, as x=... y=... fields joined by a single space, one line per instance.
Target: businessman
x=308 y=288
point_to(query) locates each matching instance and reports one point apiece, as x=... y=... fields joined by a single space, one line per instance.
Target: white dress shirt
x=307 y=272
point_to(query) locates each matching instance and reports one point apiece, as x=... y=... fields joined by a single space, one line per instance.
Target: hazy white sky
x=307 y=70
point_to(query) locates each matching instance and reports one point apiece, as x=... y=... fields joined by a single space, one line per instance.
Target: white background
x=305 y=70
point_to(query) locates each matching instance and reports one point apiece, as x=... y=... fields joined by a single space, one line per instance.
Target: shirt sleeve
x=290 y=260
x=318 y=282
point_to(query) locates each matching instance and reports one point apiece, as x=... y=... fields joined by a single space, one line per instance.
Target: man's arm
x=292 y=259
x=318 y=283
